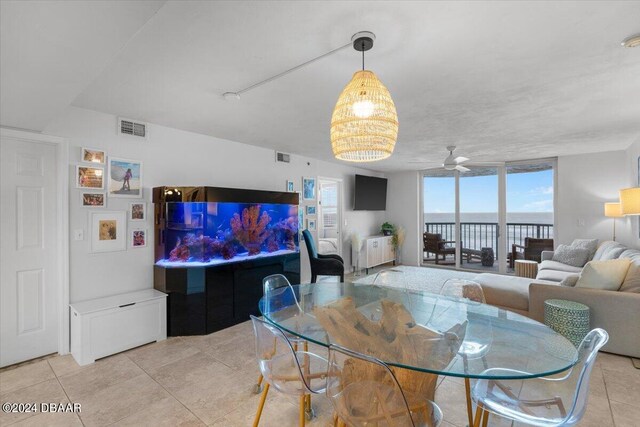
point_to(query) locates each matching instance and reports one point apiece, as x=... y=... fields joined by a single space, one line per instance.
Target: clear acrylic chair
x=364 y=391
x=471 y=291
x=392 y=278
x=542 y=402
x=278 y=294
x=290 y=371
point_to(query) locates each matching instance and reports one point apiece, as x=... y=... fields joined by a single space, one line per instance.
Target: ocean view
x=513 y=217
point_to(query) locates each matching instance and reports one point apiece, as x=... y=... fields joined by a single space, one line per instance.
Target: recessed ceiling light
x=231 y=96
x=633 y=41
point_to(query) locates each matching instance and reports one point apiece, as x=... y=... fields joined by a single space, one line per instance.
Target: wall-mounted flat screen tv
x=370 y=193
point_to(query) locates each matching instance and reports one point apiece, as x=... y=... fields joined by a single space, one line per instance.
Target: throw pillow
x=613 y=253
x=632 y=280
x=569 y=255
x=606 y=275
x=570 y=281
x=590 y=244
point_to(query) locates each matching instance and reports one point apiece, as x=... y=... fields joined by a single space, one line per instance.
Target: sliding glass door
x=483 y=219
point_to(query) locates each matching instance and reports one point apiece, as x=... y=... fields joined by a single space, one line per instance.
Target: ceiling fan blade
x=462 y=169
x=460 y=159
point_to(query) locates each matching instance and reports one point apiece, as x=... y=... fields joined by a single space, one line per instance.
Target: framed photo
x=138 y=238
x=311 y=210
x=308 y=188
x=137 y=211
x=108 y=231
x=290 y=186
x=91 y=155
x=311 y=224
x=300 y=221
x=125 y=178
x=93 y=200
x=89 y=177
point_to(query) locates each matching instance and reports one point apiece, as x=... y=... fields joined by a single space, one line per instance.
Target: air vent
x=132 y=128
x=283 y=157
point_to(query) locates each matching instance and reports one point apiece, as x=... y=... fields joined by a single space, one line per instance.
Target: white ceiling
x=501 y=80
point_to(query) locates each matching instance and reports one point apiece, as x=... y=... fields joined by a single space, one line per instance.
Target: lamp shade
x=630 y=201
x=613 y=210
x=364 y=124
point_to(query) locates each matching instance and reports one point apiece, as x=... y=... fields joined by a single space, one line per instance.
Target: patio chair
x=531 y=250
x=433 y=243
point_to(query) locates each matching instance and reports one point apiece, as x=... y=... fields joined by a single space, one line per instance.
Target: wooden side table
x=568 y=318
x=526 y=268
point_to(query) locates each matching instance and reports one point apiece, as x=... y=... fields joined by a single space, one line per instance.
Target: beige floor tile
x=63 y=419
x=154 y=355
x=48 y=391
x=120 y=400
x=598 y=413
x=623 y=387
x=205 y=386
x=625 y=415
x=64 y=365
x=99 y=375
x=165 y=412
x=613 y=362
x=25 y=375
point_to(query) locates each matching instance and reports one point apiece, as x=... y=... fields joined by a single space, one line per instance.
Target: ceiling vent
x=132 y=128
x=283 y=157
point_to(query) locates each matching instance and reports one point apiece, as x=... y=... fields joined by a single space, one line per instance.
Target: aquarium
x=212 y=233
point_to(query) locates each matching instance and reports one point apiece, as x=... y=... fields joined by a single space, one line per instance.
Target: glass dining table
x=420 y=331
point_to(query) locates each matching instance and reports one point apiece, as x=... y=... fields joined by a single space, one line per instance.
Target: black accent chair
x=322 y=265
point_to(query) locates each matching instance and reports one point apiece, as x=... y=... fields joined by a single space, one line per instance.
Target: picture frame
x=300 y=221
x=125 y=178
x=137 y=211
x=311 y=210
x=93 y=200
x=108 y=231
x=311 y=224
x=290 y=186
x=139 y=238
x=89 y=177
x=93 y=155
x=308 y=188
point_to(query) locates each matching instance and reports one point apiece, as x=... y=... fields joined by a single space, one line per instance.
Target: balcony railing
x=478 y=235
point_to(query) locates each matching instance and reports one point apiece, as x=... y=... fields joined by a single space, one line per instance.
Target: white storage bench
x=105 y=326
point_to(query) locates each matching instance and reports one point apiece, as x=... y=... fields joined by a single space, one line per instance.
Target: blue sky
x=526 y=192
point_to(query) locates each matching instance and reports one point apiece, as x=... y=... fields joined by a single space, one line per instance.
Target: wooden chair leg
x=485 y=418
x=478 y=416
x=258 y=386
x=467 y=387
x=263 y=398
x=303 y=400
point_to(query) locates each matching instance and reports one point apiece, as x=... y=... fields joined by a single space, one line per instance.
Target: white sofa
x=618 y=312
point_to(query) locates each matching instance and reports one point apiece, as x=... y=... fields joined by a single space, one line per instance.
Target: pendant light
x=364 y=124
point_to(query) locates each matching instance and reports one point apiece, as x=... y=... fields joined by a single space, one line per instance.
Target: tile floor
x=207 y=380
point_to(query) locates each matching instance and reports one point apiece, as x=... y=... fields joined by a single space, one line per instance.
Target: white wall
x=175 y=157
x=633 y=153
x=403 y=200
x=585 y=183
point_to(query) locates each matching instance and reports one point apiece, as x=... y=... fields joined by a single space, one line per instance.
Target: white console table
x=376 y=250
x=105 y=326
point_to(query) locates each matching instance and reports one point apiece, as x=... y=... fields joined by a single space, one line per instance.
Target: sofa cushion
x=505 y=291
x=613 y=253
x=604 y=248
x=570 y=281
x=632 y=279
x=607 y=275
x=590 y=244
x=631 y=254
x=553 y=275
x=570 y=255
x=555 y=265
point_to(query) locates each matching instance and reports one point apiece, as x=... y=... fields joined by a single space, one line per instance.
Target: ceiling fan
x=455 y=163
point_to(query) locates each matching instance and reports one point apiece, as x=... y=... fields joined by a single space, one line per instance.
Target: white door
x=329 y=216
x=29 y=263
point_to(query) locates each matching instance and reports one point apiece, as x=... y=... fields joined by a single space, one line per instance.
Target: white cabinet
x=105 y=326
x=376 y=250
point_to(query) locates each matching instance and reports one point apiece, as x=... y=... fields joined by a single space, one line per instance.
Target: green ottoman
x=568 y=318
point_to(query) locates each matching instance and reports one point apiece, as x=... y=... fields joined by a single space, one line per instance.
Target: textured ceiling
x=501 y=80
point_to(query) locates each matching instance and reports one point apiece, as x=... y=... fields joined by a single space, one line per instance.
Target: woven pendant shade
x=364 y=124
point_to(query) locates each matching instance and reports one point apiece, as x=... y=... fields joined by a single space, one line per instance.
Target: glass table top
x=420 y=330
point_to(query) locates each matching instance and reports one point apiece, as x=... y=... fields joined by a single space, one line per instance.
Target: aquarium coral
x=289 y=229
x=251 y=229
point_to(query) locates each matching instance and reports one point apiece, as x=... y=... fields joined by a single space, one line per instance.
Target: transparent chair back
x=461 y=288
x=364 y=392
x=278 y=294
x=551 y=401
x=396 y=279
x=288 y=370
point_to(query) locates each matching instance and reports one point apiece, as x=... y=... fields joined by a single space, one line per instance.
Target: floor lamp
x=613 y=210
